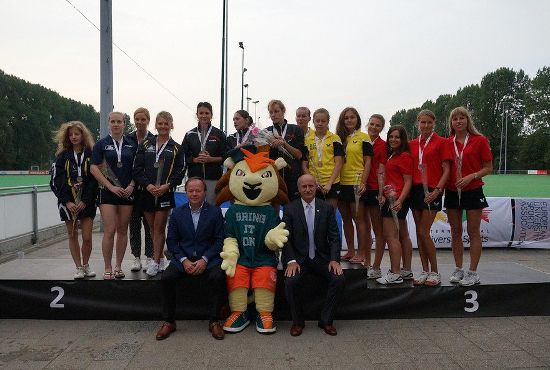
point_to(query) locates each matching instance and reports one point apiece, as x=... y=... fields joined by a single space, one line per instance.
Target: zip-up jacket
x=215 y=146
x=64 y=174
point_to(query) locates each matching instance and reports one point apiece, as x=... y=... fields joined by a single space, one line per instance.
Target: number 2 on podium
x=60 y=293
x=472 y=300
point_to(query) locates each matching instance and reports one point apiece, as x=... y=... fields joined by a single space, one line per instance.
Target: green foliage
x=29 y=114
x=504 y=101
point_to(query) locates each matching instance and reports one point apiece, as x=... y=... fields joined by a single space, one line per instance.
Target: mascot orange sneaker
x=264 y=323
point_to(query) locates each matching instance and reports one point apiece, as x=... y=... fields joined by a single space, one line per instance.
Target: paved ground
x=500 y=342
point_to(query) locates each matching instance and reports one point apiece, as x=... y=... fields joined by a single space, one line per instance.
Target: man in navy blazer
x=313 y=246
x=195 y=240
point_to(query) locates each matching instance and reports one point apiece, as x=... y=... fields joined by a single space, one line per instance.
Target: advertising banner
x=531 y=223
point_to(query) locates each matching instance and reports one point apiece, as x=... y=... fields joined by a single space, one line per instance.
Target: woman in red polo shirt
x=432 y=157
x=397 y=185
x=373 y=192
x=472 y=160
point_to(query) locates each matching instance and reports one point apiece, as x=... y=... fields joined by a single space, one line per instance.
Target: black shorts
x=370 y=198
x=347 y=193
x=402 y=214
x=471 y=199
x=106 y=197
x=146 y=201
x=66 y=215
x=417 y=199
x=332 y=194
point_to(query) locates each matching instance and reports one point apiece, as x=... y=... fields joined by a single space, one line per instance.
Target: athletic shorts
x=402 y=214
x=146 y=201
x=417 y=199
x=347 y=193
x=106 y=197
x=66 y=215
x=471 y=199
x=253 y=277
x=370 y=198
x=332 y=194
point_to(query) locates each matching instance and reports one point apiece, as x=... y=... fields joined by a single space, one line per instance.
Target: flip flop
x=108 y=275
x=119 y=274
x=358 y=260
x=346 y=257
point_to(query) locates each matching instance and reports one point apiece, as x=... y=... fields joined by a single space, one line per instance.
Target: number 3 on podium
x=471 y=303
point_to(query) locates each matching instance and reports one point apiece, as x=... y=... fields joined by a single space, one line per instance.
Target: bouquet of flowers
x=390 y=194
x=262 y=137
x=78 y=196
x=356 y=189
x=424 y=175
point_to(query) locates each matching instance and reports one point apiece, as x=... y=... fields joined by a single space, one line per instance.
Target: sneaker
x=153 y=269
x=264 y=323
x=163 y=264
x=374 y=273
x=390 y=278
x=87 y=271
x=470 y=278
x=406 y=275
x=136 y=265
x=79 y=274
x=147 y=263
x=457 y=275
x=236 y=322
x=421 y=279
x=433 y=279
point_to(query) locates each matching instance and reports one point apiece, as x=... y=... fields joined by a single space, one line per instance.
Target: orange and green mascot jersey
x=253 y=234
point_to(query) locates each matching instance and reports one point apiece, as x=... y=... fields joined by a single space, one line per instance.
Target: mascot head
x=252 y=179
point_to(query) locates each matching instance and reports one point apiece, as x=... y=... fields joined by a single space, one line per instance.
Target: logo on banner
x=442 y=216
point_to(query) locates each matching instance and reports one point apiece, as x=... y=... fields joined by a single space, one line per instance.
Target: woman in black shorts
x=112 y=162
x=159 y=168
x=472 y=160
x=75 y=189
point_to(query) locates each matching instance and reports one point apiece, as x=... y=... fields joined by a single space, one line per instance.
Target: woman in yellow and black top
x=158 y=169
x=76 y=190
x=324 y=159
x=353 y=179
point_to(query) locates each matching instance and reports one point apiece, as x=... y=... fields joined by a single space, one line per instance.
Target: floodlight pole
x=106 y=66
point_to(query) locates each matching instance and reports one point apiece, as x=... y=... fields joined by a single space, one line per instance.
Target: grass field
x=530 y=186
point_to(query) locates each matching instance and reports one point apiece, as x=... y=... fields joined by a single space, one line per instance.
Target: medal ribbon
x=78 y=163
x=319 y=151
x=204 y=139
x=422 y=149
x=239 y=140
x=159 y=151
x=118 y=148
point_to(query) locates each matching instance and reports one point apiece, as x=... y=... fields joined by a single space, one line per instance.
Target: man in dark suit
x=313 y=247
x=195 y=239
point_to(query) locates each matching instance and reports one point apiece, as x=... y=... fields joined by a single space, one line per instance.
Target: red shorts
x=253 y=277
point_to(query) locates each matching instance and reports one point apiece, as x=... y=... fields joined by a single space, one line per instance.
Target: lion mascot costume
x=253 y=234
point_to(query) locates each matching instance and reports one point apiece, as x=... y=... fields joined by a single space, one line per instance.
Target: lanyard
x=78 y=165
x=244 y=138
x=204 y=139
x=421 y=150
x=118 y=150
x=319 y=150
x=459 y=155
x=159 y=151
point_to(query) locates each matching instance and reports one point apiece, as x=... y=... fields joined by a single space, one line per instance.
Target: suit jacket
x=327 y=238
x=183 y=241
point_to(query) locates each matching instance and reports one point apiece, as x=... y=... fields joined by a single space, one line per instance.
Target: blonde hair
x=276 y=102
x=322 y=111
x=425 y=112
x=167 y=116
x=144 y=111
x=61 y=136
x=463 y=112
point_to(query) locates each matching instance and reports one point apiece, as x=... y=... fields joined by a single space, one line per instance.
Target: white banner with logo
x=496 y=226
x=531 y=226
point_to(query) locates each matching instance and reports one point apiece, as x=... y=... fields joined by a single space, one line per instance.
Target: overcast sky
x=378 y=56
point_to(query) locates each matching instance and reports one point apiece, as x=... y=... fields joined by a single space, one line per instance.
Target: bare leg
x=347 y=223
x=364 y=237
x=473 y=217
x=123 y=218
x=159 y=235
x=455 y=221
x=417 y=215
x=394 y=246
x=74 y=247
x=87 y=225
x=109 y=216
x=380 y=241
x=406 y=245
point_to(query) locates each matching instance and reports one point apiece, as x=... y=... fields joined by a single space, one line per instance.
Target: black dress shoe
x=165 y=330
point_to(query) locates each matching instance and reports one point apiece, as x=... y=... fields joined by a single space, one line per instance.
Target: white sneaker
x=470 y=278
x=457 y=275
x=433 y=279
x=406 y=275
x=147 y=263
x=390 y=278
x=153 y=269
x=79 y=274
x=136 y=265
x=87 y=271
x=374 y=273
x=163 y=264
x=421 y=279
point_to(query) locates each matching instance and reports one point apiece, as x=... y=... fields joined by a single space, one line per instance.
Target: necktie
x=310 y=219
